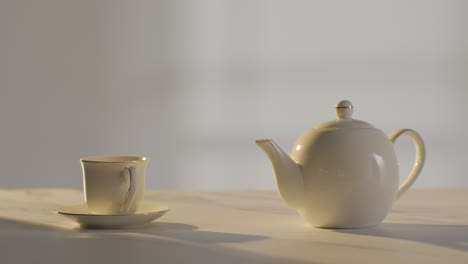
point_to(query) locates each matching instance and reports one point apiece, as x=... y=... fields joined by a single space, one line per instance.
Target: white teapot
x=344 y=173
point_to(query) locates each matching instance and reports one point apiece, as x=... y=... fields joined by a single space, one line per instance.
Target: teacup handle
x=420 y=157
x=130 y=195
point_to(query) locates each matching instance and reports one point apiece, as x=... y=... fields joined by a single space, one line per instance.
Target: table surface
x=425 y=226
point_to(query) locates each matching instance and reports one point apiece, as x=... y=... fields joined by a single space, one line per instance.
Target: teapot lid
x=344 y=111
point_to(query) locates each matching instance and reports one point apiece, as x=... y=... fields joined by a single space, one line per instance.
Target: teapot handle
x=420 y=157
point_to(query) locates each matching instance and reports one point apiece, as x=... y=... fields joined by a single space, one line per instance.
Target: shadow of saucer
x=167 y=226
x=450 y=236
x=160 y=226
x=179 y=231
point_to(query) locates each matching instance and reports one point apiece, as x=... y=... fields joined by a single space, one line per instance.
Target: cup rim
x=113 y=159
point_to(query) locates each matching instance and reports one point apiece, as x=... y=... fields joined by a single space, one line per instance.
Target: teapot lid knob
x=344 y=109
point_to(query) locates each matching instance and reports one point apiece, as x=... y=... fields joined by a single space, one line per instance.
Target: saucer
x=145 y=214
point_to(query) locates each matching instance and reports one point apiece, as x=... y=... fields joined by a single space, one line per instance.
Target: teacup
x=113 y=184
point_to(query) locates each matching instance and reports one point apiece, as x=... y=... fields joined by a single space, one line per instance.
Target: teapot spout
x=288 y=174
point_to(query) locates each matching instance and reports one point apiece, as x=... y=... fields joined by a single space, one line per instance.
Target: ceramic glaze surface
x=114 y=184
x=343 y=173
x=350 y=177
x=82 y=215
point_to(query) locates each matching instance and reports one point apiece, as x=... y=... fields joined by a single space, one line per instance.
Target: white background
x=191 y=84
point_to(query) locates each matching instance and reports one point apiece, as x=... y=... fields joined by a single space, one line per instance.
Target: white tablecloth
x=425 y=226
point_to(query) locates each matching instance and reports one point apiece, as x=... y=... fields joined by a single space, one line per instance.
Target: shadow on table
x=176 y=231
x=450 y=236
x=159 y=242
